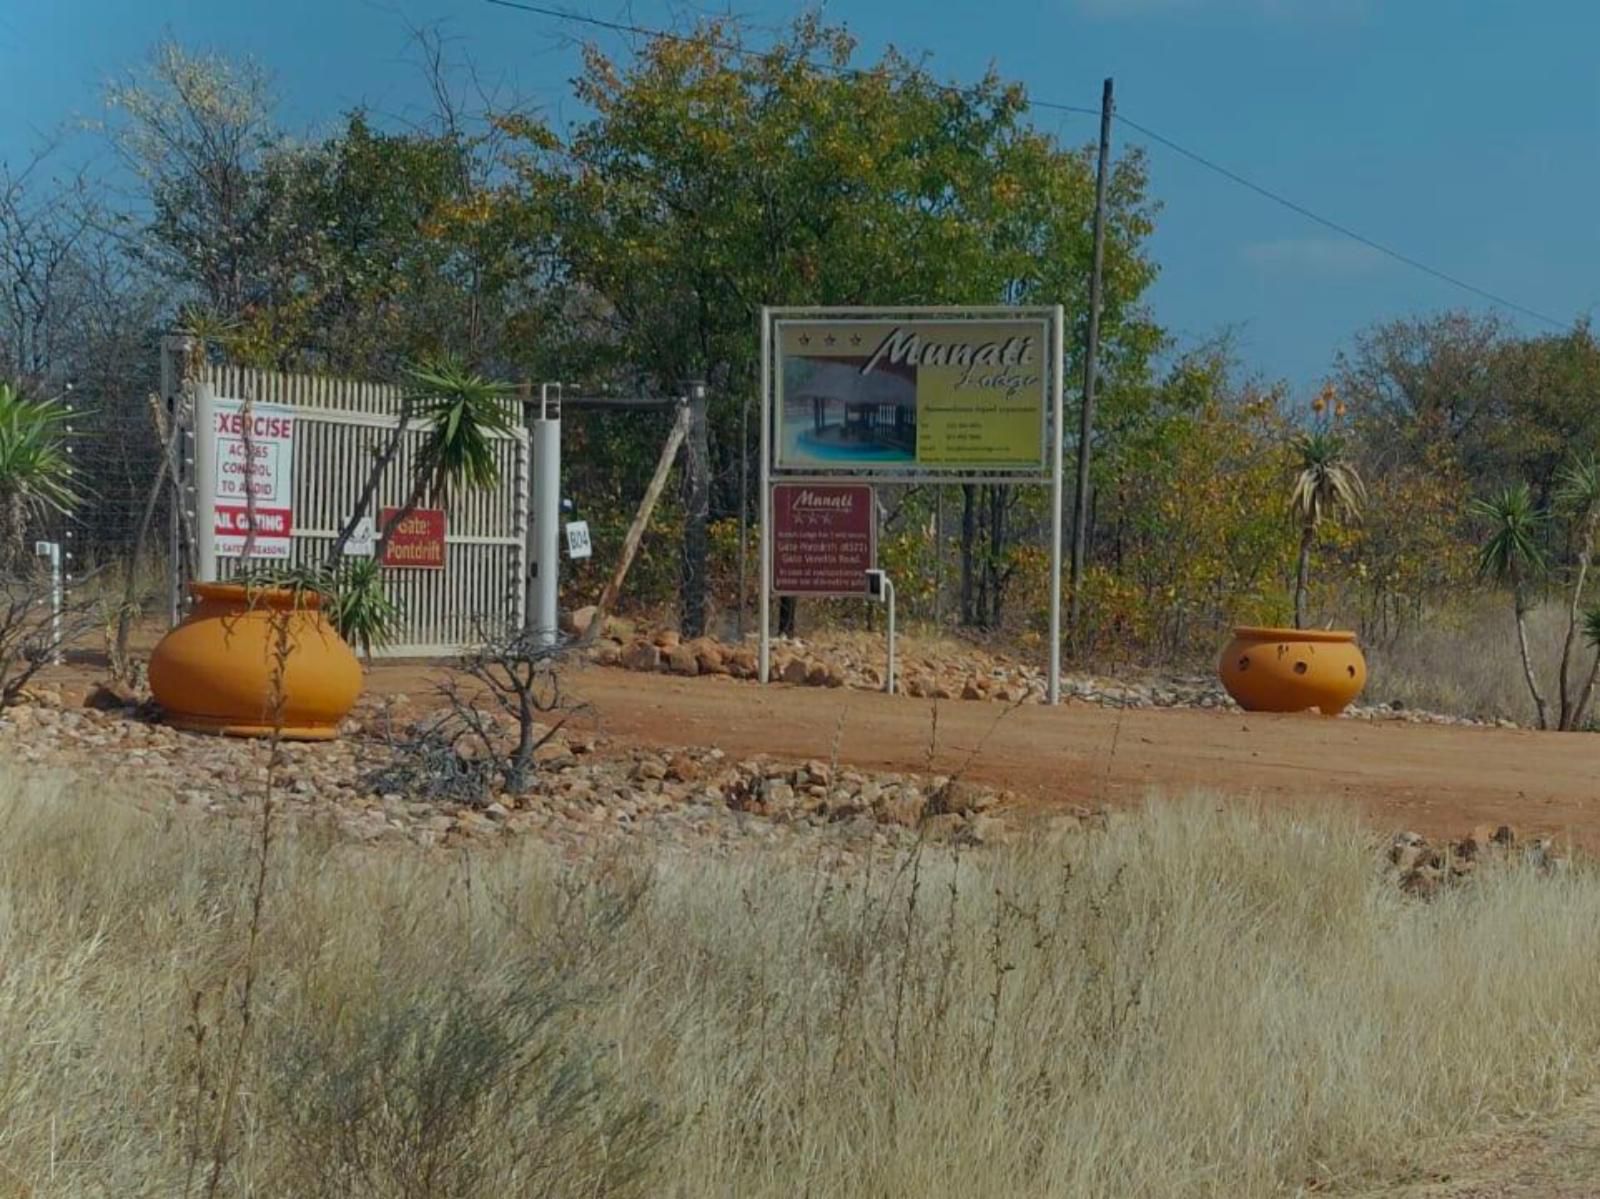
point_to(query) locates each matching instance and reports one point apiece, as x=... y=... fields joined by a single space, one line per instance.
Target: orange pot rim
x=277 y=598
x=1267 y=633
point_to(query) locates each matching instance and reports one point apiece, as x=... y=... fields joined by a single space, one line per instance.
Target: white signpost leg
x=205 y=471
x=888 y=595
x=765 y=653
x=1056 y=364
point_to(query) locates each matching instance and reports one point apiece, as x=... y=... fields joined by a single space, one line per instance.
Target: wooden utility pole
x=1080 y=501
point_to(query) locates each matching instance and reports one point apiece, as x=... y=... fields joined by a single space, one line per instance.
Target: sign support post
x=1057 y=357
x=765 y=652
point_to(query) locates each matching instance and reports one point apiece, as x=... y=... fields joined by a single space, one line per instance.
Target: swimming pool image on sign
x=833 y=415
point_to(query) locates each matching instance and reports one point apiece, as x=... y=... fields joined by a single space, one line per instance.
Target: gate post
x=542 y=617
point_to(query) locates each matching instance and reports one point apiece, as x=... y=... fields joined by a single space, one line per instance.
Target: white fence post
x=205 y=473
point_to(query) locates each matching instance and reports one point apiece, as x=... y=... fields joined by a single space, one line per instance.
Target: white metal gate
x=341 y=424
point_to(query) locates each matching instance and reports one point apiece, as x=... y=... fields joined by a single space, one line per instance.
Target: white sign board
x=578 y=539
x=363 y=541
x=253 y=467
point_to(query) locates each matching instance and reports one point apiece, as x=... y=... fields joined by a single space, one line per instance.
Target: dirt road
x=1436 y=780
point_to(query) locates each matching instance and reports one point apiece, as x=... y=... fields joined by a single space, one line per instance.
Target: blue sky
x=1460 y=132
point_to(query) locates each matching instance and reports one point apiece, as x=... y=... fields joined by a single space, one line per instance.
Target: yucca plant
x=464 y=413
x=36 y=474
x=361 y=609
x=1513 y=556
x=1326 y=485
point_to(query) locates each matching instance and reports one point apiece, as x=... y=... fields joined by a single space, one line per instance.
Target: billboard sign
x=253 y=477
x=923 y=396
x=417 y=541
x=824 y=538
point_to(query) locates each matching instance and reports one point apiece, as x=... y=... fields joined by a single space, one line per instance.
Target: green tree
x=1578 y=495
x=1326 y=486
x=712 y=179
x=36 y=474
x=1513 y=555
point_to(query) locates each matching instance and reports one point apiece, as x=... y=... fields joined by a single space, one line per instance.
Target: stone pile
x=958 y=673
x=585 y=789
x=1423 y=868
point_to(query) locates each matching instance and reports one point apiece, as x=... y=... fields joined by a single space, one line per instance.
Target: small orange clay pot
x=214 y=673
x=1291 y=670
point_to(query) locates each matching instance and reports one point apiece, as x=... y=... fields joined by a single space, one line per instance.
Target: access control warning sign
x=254 y=473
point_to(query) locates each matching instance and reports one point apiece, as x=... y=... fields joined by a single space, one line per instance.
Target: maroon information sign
x=824 y=538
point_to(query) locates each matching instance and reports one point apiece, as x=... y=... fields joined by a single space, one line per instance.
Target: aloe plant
x=36 y=473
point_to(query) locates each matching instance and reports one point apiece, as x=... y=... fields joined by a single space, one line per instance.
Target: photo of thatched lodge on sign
x=833 y=414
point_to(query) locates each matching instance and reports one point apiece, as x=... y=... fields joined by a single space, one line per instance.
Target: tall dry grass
x=1464 y=660
x=1202 y=1001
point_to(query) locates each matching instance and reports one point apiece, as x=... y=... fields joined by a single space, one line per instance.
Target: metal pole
x=1080 y=503
x=888 y=595
x=205 y=473
x=545 y=618
x=51 y=550
x=1057 y=364
x=765 y=656
x=744 y=512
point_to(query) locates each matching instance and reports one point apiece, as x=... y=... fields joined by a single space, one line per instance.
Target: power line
x=1343 y=230
x=1055 y=106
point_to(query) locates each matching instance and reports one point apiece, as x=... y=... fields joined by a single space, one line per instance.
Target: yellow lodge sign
x=914 y=396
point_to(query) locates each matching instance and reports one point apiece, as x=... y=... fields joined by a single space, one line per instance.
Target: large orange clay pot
x=215 y=672
x=1291 y=670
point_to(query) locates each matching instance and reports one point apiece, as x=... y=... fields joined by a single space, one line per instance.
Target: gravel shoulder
x=1434 y=779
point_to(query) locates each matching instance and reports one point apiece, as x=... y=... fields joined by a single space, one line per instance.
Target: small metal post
x=51 y=550
x=888 y=596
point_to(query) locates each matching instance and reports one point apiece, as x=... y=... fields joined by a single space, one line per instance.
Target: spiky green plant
x=362 y=610
x=1513 y=556
x=36 y=473
x=1326 y=486
x=464 y=413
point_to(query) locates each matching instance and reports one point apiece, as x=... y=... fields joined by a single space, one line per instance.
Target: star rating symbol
x=829 y=340
x=855 y=339
x=805 y=339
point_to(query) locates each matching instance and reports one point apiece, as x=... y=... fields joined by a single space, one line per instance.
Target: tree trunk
x=996 y=554
x=369 y=489
x=13 y=539
x=1582 y=706
x=969 y=549
x=696 y=517
x=1527 y=662
x=1568 y=702
x=1302 y=575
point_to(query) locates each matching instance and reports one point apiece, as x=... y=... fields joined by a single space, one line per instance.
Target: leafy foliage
x=36 y=472
x=1513 y=552
x=362 y=611
x=463 y=411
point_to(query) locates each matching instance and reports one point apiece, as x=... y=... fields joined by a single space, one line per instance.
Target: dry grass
x=1199 y=1002
x=1466 y=662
